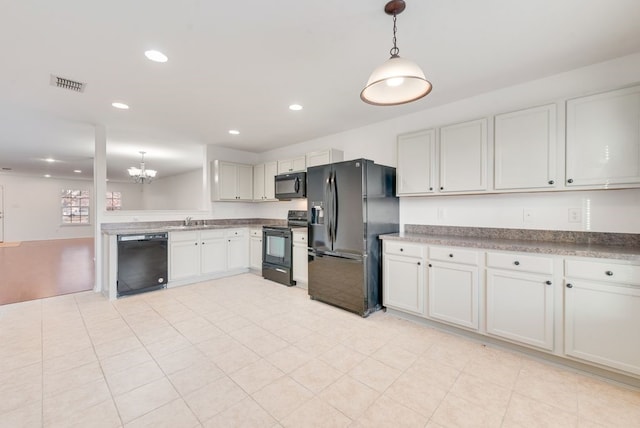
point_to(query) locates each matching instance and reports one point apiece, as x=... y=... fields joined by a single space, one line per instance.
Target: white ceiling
x=240 y=64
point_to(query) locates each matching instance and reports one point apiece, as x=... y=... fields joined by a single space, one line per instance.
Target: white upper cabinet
x=525 y=149
x=231 y=181
x=603 y=139
x=416 y=155
x=463 y=157
x=324 y=157
x=264 y=181
x=292 y=165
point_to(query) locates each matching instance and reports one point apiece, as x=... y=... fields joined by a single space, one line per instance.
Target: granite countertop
x=178 y=226
x=581 y=244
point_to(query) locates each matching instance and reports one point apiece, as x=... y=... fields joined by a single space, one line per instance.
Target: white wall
x=614 y=211
x=32 y=208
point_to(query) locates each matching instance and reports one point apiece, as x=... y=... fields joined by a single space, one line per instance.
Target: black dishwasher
x=142 y=263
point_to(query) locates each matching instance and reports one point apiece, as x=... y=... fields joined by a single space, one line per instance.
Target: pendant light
x=397 y=81
x=142 y=174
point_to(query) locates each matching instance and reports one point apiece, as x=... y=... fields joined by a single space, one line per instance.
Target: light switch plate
x=575 y=215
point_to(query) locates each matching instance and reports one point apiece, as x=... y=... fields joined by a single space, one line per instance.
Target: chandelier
x=398 y=80
x=142 y=174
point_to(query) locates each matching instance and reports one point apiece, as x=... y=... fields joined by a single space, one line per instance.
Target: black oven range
x=277 y=246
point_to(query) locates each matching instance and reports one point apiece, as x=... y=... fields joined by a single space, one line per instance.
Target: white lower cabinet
x=237 y=249
x=300 y=257
x=255 y=249
x=602 y=315
x=519 y=298
x=184 y=255
x=453 y=286
x=403 y=277
x=196 y=254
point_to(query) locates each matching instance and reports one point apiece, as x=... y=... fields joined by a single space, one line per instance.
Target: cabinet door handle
x=548 y=282
x=609 y=273
x=570 y=180
x=551 y=182
x=517 y=263
x=569 y=285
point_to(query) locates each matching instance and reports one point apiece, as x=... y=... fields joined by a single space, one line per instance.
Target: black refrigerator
x=349 y=204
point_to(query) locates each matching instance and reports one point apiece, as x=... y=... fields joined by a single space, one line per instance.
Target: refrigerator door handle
x=334 y=207
x=327 y=219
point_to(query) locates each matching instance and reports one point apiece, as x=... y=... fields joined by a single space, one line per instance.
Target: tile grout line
x=104 y=377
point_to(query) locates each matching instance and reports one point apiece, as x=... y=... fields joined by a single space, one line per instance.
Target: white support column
x=100 y=186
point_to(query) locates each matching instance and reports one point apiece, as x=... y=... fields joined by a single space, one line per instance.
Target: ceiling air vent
x=69 y=84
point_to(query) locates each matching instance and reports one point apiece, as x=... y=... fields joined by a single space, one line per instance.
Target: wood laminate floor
x=37 y=269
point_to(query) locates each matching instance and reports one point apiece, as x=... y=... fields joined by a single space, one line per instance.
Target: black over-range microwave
x=291 y=186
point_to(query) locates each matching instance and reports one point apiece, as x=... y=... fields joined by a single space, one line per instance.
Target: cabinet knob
x=548 y=282
x=570 y=180
x=450 y=255
x=551 y=182
x=517 y=263
x=430 y=265
x=430 y=188
x=203 y=243
x=569 y=285
x=196 y=243
x=441 y=188
x=401 y=249
x=609 y=273
x=419 y=264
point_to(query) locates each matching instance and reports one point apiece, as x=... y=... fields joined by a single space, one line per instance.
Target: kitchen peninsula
x=197 y=250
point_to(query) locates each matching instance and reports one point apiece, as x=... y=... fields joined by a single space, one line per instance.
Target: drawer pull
x=609 y=273
x=569 y=285
x=401 y=249
x=517 y=263
x=548 y=282
x=450 y=255
x=430 y=265
x=419 y=263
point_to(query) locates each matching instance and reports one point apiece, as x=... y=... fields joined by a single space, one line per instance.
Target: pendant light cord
x=394 y=50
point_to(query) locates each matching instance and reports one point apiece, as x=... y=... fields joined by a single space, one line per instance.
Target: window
x=75 y=206
x=114 y=201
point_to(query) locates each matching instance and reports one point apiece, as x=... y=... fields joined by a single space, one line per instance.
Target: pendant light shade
x=398 y=80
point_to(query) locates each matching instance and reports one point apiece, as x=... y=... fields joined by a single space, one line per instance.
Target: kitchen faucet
x=187 y=221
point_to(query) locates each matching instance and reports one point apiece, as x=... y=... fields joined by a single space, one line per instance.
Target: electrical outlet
x=575 y=215
x=442 y=214
x=527 y=215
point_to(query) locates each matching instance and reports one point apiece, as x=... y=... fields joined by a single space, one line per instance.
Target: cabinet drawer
x=235 y=232
x=520 y=262
x=191 y=235
x=255 y=232
x=603 y=271
x=454 y=255
x=403 y=249
x=300 y=237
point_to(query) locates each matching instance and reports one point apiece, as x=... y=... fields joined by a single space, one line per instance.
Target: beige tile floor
x=245 y=352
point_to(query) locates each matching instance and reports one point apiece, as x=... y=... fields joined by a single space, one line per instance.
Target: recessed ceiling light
x=295 y=107
x=50 y=160
x=77 y=171
x=47 y=176
x=121 y=106
x=156 y=56
x=234 y=132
